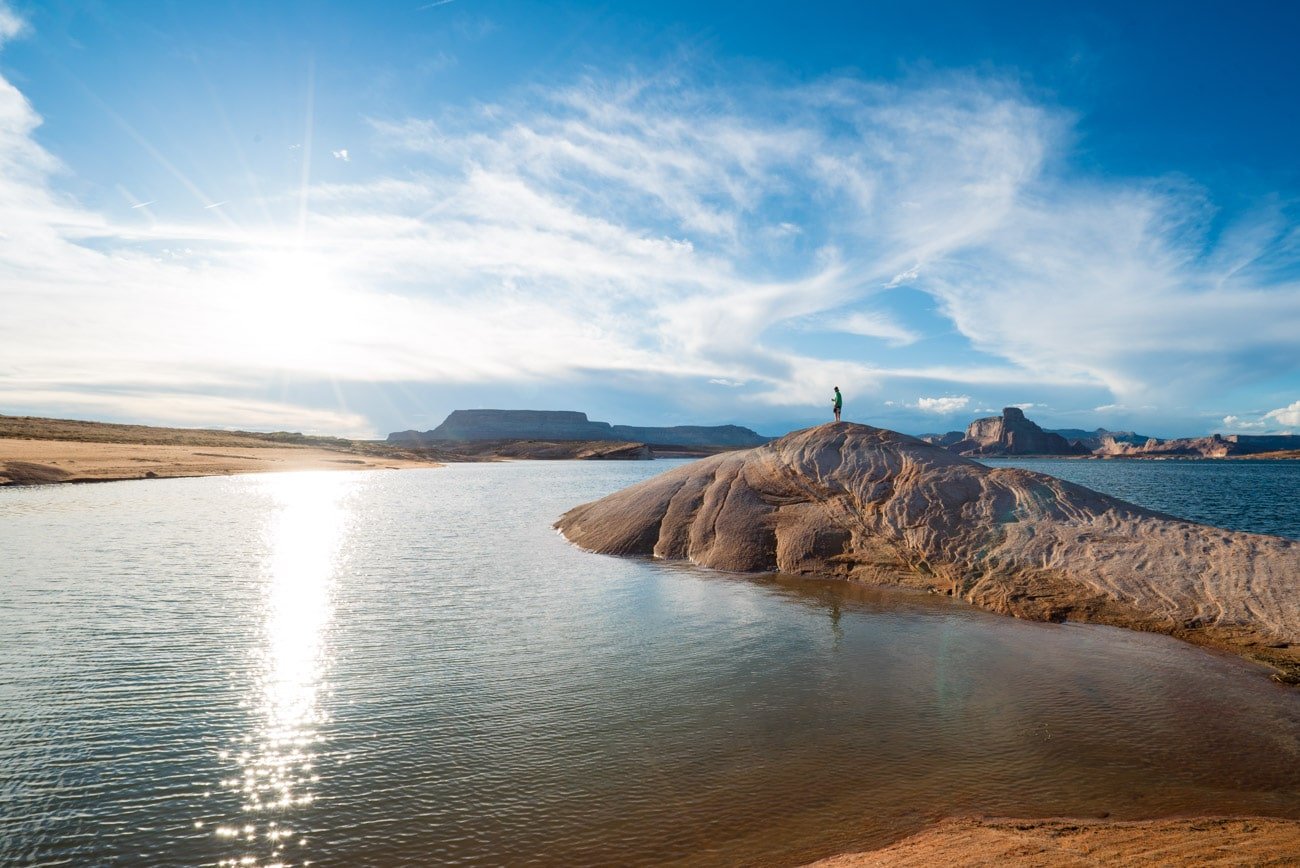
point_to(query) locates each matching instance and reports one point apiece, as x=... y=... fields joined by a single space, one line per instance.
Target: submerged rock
x=863 y=503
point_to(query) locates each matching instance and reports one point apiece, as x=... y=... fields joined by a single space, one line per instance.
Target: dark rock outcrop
x=851 y=501
x=1012 y=434
x=571 y=425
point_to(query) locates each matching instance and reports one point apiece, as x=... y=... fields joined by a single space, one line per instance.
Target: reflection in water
x=276 y=759
x=836 y=630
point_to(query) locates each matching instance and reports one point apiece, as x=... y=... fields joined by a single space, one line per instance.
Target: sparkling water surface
x=377 y=668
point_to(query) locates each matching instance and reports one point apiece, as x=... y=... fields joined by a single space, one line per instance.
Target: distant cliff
x=1008 y=434
x=572 y=425
x=1214 y=446
x=1095 y=438
x=1090 y=440
x=1013 y=434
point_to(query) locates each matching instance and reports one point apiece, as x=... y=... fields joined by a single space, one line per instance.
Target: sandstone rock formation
x=851 y=501
x=1093 y=439
x=571 y=425
x=1012 y=434
x=1213 y=446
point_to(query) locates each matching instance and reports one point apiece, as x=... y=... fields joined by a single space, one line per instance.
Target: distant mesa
x=1008 y=434
x=1214 y=446
x=856 y=502
x=1014 y=434
x=473 y=425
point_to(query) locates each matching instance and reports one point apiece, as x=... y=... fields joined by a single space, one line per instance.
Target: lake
x=1254 y=496
x=383 y=667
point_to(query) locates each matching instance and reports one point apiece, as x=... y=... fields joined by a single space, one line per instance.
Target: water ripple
x=383 y=668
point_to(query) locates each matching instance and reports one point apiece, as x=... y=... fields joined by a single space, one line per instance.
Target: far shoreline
x=33 y=462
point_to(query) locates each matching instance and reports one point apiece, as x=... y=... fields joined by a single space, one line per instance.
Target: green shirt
x=839 y=400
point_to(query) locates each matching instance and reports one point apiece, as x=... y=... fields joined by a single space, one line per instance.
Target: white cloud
x=723 y=381
x=11 y=25
x=943 y=406
x=648 y=228
x=1024 y=406
x=1289 y=415
x=342 y=154
x=1124 y=408
x=1236 y=423
x=193 y=410
x=873 y=325
x=904 y=277
x=1279 y=421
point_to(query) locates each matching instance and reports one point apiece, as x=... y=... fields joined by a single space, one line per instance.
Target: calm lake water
x=412 y=667
x=1255 y=496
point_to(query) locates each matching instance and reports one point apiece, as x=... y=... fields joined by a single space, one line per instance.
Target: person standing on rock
x=837 y=402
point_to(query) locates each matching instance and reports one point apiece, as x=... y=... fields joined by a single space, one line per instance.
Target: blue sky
x=354 y=218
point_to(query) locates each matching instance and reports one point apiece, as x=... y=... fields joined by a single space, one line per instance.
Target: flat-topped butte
x=571 y=425
x=856 y=502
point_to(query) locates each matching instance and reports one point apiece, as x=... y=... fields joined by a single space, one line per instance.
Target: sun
x=301 y=316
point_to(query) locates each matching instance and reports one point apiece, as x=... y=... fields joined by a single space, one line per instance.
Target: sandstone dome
x=867 y=504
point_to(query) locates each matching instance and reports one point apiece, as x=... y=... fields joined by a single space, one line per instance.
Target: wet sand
x=1254 y=841
x=35 y=462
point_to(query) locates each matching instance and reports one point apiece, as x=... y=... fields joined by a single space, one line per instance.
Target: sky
x=351 y=219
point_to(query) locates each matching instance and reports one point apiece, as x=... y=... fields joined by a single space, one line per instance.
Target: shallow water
x=383 y=667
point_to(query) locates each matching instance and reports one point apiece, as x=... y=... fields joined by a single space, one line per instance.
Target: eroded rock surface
x=863 y=503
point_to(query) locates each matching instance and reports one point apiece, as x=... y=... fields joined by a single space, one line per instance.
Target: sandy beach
x=35 y=451
x=1255 y=841
x=34 y=462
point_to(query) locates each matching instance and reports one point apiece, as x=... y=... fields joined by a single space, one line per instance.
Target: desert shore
x=36 y=451
x=35 y=462
x=1255 y=841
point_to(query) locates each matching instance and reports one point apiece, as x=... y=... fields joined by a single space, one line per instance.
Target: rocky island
x=856 y=502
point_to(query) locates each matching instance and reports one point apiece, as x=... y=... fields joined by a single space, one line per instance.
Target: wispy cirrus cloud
x=11 y=25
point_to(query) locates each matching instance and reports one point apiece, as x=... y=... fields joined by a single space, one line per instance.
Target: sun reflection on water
x=275 y=762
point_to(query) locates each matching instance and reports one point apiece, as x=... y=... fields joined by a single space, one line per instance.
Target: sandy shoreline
x=35 y=462
x=1255 y=841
